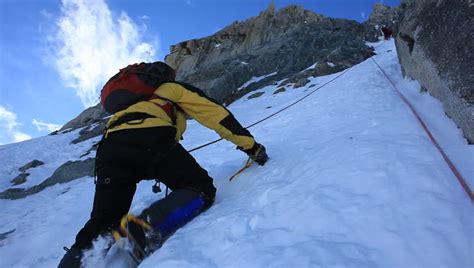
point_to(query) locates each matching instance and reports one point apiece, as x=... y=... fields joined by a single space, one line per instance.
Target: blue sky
x=56 y=54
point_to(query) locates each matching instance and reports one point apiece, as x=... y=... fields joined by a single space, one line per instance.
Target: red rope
x=453 y=168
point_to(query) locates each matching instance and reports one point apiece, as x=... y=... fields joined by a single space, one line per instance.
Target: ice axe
x=247 y=165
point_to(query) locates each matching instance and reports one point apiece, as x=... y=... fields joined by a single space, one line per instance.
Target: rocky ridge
x=281 y=43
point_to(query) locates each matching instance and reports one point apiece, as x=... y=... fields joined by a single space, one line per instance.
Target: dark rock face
x=92 y=120
x=32 y=164
x=284 y=43
x=5 y=235
x=20 y=179
x=279 y=90
x=256 y=95
x=23 y=175
x=91 y=131
x=69 y=171
x=88 y=117
x=435 y=46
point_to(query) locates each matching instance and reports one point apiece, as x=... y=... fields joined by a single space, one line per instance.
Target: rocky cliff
x=435 y=46
x=279 y=43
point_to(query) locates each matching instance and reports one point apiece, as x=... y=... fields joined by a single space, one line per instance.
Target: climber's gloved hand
x=257 y=153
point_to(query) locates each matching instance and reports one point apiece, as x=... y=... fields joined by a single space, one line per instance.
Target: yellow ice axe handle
x=247 y=165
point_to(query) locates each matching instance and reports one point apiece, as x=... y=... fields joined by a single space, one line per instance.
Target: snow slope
x=353 y=181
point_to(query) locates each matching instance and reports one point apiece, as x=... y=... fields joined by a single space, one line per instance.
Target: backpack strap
x=169 y=107
x=130 y=117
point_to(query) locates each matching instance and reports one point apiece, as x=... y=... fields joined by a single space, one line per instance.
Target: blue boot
x=172 y=212
x=146 y=233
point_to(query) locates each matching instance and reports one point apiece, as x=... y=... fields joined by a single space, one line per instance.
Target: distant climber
x=387 y=33
x=141 y=142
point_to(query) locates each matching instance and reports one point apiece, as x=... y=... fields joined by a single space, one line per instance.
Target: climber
x=141 y=142
x=387 y=33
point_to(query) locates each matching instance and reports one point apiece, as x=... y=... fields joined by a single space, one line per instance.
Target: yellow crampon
x=123 y=228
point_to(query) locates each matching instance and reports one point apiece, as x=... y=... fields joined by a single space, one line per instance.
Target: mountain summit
x=274 y=43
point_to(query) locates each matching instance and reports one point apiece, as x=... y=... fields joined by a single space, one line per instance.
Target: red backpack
x=135 y=83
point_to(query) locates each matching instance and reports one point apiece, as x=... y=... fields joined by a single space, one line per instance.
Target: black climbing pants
x=125 y=158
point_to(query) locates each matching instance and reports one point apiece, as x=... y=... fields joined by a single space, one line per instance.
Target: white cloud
x=92 y=45
x=7 y=119
x=8 y=128
x=362 y=14
x=20 y=136
x=41 y=126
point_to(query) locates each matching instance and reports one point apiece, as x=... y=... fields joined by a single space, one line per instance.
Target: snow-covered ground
x=353 y=181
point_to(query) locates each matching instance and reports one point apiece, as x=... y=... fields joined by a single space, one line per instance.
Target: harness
x=168 y=108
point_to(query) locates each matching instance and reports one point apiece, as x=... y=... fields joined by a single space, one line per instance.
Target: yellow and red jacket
x=189 y=100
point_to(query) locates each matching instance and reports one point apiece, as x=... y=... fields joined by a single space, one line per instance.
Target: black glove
x=257 y=153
